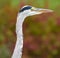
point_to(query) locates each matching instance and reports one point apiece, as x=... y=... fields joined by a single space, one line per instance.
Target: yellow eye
x=32 y=8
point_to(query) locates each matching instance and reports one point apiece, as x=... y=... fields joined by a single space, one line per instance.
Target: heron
x=24 y=12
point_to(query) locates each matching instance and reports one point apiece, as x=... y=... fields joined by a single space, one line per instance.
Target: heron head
x=29 y=10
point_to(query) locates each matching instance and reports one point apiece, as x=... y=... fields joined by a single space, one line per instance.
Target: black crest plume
x=25 y=8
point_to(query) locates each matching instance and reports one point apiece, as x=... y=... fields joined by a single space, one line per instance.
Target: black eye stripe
x=25 y=8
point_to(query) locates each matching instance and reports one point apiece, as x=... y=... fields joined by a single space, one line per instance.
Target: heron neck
x=20 y=20
x=19 y=43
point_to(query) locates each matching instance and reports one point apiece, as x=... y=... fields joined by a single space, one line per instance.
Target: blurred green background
x=41 y=32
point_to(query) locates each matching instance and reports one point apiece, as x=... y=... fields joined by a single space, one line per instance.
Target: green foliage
x=54 y=3
x=14 y=3
x=4 y=52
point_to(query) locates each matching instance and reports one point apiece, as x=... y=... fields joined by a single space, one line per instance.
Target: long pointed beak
x=44 y=10
x=41 y=10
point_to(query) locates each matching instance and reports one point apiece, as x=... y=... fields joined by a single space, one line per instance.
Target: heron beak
x=41 y=10
x=44 y=10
